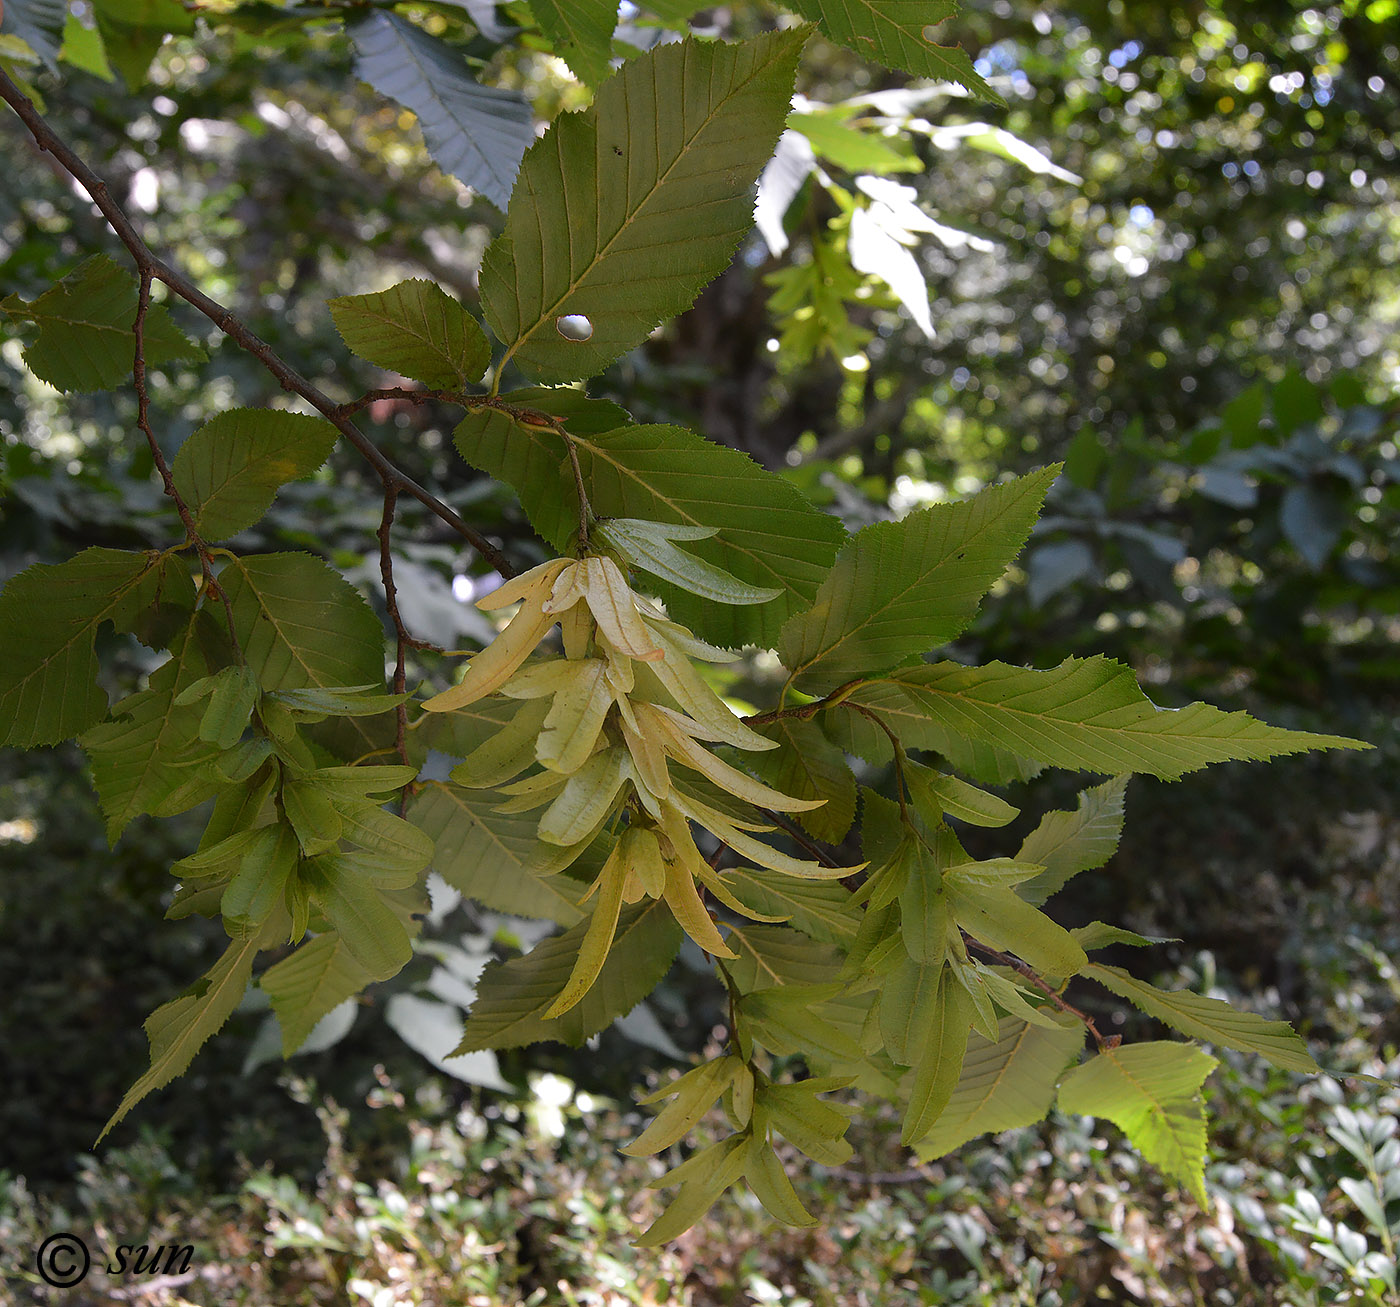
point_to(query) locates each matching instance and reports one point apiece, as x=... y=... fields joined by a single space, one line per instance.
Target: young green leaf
x=308 y=983
x=85 y=340
x=623 y=212
x=1151 y=1092
x=938 y=1060
x=1066 y=843
x=257 y=886
x=414 y=328
x=1005 y=1083
x=900 y=589
x=997 y=916
x=1087 y=714
x=512 y=997
x=692 y=1095
x=360 y=914
x=809 y=1123
x=230 y=468
x=1210 y=1019
x=899 y=33
x=138 y=757
x=702 y=1178
x=648 y=546
x=771 y=1186
x=935 y=794
x=51 y=614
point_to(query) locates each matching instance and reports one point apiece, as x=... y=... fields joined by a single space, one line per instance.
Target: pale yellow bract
x=627 y=709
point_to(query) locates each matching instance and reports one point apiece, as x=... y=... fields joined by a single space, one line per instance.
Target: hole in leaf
x=930 y=34
x=574 y=326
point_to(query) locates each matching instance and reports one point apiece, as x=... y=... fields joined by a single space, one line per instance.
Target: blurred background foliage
x=1169 y=261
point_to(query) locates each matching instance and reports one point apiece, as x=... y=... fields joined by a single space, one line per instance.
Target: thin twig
x=1026 y=971
x=143 y=421
x=405 y=394
x=391 y=602
x=799 y=837
x=149 y=265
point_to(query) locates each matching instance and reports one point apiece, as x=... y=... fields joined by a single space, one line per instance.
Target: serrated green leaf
x=361 y=914
x=1004 y=1084
x=300 y=624
x=1087 y=714
x=939 y=1059
x=257 y=886
x=900 y=589
x=820 y=909
x=623 y=212
x=807 y=765
x=702 y=1177
x=856 y=732
x=1066 y=843
x=178 y=1029
x=1151 y=1092
x=1099 y=934
x=581 y=33
x=230 y=468
x=768 y=533
x=85 y=340
x=136 y=757
x=1210 y=1019
x=493 y=857
x=898 y=34
x=998 y=917
x=310 y=982
x=769 y=956
x=477 y=133
x=513 y=996
x=772 y=1187
x=816 y=1127
x=934 y=794
x=134 y=30
x=414 y=328
x=51 y=614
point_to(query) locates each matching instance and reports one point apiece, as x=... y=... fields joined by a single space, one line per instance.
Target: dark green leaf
x=85 y=340
x=229 y=470
x=624 y=211
x=513 y=996
x=414 y=328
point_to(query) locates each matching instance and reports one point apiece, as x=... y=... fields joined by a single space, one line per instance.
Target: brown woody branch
x=152 y=268
x=1027 y=972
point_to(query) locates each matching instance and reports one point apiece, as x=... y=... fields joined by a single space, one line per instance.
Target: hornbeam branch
x=155 y=269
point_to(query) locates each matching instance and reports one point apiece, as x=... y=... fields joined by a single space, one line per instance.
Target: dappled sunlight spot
x=20 y=830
